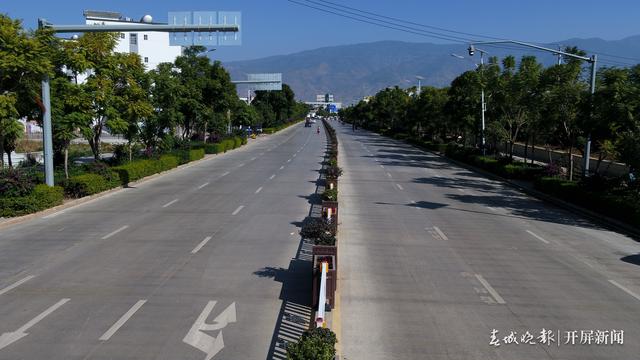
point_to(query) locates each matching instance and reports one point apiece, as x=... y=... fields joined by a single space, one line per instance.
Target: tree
x=8 y=114
x=518 y=97
x=12 y=131
x=23 y=61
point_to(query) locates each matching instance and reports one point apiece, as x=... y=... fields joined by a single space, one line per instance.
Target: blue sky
x=272 y=27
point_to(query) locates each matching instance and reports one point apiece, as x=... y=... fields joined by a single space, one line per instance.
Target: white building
x=153 y=47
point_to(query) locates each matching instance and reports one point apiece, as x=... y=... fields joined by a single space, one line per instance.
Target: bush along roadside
x=610 y=197
x=22 y=191
x=321 y=232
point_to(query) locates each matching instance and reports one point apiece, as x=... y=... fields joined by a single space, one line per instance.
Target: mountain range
x=351 y=72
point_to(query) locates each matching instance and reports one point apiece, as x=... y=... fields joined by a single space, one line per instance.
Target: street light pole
x=482 y=103
x=592 y=60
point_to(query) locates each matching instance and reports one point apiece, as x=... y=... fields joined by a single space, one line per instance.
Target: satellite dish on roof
x=147 y=19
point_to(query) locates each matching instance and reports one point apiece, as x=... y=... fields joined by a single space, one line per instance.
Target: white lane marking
x=112 y=330
x=253 y=158
x=170 y=203
x=294 y=155
x=272 y=176
x=490 y=289
x=259 y=189
x=224 y=174
x=289 y=160
x=114 y=232
x=16 y=284
x=54 y=214
x=202 y=243
x=442 y=235
x=241 y=165
x=281 y=167
x=62 y=228
x=537 y=236
x=204 y=342
x=492 y=209
x=376 y=160
x=203 y=185
x=389 y=174
x=625 y=289
x=462 y=191
x=261 y=153
x=236 y=211
x=399 y=186
x=9 y=338
x=382 y=166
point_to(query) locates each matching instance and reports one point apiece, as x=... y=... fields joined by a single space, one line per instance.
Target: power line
x=410 y=22
x=386 y=22
x=396 y=24
x=421 y=33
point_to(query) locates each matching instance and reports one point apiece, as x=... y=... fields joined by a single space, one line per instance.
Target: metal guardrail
x=322 y=299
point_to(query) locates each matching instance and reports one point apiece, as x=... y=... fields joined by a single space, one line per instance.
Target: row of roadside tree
x=526 y=103
x=96 y=90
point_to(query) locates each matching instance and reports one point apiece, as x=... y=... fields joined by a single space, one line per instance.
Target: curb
x=68 y=204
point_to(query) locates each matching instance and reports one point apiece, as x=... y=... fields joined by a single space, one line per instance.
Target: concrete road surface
x=190 y=265
x=434 y=258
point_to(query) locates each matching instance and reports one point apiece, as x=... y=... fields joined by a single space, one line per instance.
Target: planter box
x=325 y=253
x=333 y=205
x=331 y=180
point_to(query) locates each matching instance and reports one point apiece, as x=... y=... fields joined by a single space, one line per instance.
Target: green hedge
x=168 y=162
x=196 y=154
x=88 y=184
x=41 y=197
x=623 y=208
x=237 y=142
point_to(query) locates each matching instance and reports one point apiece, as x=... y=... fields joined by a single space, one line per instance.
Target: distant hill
x=354 y=71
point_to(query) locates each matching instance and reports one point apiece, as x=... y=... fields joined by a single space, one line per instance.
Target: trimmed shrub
x=330 y=195
x=522 y=171
x=244 y=140
x=168 y=162
x=42 y=197
x=333 y=172
x=15 y=183
x=87 y=184
x=137 y=170
x=237 y=142
x=196 y=154
x=315 y=344
x=314 y=227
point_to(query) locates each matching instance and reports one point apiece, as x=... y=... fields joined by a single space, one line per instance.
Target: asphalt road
x=185 y=266
x=435 y=257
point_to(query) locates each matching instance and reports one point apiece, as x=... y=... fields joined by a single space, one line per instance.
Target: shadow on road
x=632 y=259
x=296 y=312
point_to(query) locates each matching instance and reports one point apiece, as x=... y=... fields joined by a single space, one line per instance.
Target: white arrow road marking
x=208 y=344
x=16 y=284
x=112 y=330
x=9 y=338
